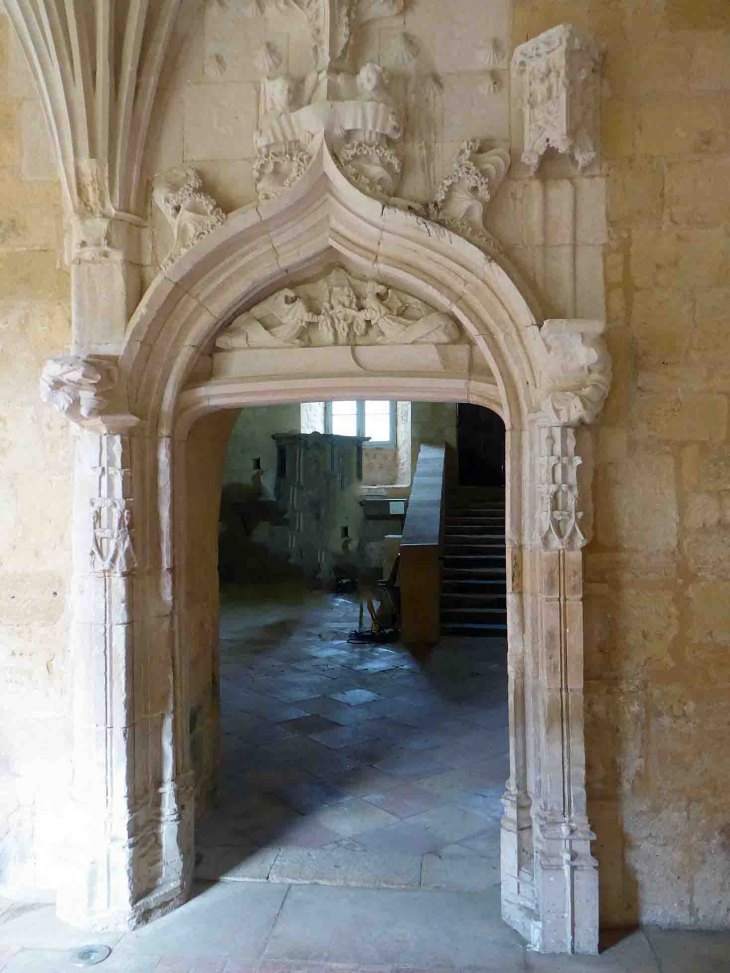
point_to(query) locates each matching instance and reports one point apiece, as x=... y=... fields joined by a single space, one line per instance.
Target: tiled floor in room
x=354 y=764
x=357 y=827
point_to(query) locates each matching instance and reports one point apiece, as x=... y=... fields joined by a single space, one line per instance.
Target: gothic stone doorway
x=131 y=847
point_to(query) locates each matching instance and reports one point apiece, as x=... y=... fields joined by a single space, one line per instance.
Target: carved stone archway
x=131 y=846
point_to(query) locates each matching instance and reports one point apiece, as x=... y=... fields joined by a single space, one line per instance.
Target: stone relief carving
x=575 y=376
x=354 y=108
x=561 y=94
x=560 y=514
x=191 y=213
x=462 y=197
x=575 y=371
x=357 y=111
x=112 y=548
x=339 y=309
x=74 y=385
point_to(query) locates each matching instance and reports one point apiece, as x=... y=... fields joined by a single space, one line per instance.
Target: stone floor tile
x=363 y=781
x=356 y=697
x=412 y=764
x=220 y=921
x=404 y=801
x=487 y=844
x=354 y=818
x=632 y=954
x=341 y=866
x=402 y=837
x=34 y=925
x=424 y=929
x=680 y=951
x=60 y=961
x=265 y=732
x=463 y=873
x=339 y=712
x=450 y=823
x=306 y=832
x=307 y=796
x=344 y=736
x=235 y=864
x=308 y=724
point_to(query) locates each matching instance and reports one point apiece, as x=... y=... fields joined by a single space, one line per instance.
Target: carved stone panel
x=191 y=213
x=561 y=94
x=339 y=309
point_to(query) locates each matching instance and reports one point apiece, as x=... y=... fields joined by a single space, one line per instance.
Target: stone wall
x=658 y=611
x=35 y=489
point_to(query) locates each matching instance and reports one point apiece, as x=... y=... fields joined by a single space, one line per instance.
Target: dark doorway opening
x=481 y=446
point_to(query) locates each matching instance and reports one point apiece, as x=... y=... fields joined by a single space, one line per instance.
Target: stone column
x=566 y=876
x=128 y=834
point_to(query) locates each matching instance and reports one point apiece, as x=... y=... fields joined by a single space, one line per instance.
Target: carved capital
x=191 y=213
x=75 y=386
x=561 y=94
x=575 y=371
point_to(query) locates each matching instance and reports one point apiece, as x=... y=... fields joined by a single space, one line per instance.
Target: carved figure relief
x=561 y=94
x=354 y=108
x=73 y=385
x=339 y=309
x=191 y=213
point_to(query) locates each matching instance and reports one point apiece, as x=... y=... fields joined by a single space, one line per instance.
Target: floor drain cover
x=91 y=955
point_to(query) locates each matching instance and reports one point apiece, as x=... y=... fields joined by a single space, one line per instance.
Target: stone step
x=474 y=630
x=468 y=585
x=469 y=599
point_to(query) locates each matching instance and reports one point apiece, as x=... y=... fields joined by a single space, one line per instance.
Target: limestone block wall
x=35 y=489
x=658 y=611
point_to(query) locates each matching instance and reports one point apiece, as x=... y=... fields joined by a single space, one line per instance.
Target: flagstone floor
x=353 y=764
x=356 y=829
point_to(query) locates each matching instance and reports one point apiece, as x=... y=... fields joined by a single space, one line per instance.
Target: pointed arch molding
x=133 y=796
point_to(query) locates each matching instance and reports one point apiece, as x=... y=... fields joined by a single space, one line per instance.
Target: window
x=375 y=419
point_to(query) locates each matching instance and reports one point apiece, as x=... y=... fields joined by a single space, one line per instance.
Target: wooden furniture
x=420 y=550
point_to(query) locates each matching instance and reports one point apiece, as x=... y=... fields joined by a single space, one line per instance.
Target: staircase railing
x=420 y=550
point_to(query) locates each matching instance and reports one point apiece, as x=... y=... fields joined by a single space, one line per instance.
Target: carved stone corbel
x=575 y=376
x=191 y=213
x=74 y=385
x=561 y=94
x=575 y=370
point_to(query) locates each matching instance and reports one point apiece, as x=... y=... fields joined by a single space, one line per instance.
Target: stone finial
x=561 y=94
x=73 y=385
x=575 y=371
x=191 y=213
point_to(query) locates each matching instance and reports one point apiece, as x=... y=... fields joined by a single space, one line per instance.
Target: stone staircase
x=473 y=587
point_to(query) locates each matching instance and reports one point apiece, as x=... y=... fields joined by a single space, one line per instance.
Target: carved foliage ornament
x=561 y=94
x=74 y=385
x=339 y=309
x=191 y=213
x=575 y=371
